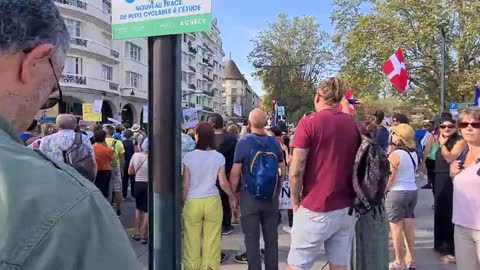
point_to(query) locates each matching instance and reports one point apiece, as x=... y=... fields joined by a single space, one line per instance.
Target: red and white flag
x=349 y=95
x=395 y=70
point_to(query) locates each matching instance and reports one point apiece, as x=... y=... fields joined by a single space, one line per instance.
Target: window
x=199 y=84
x=184 y=96
x=107 y=72
x=134 y=80
x=184 y=76
x=106 y=7
x=234 y=91
x=185 y=38
x=185 y=58
x=133 y=51
x=190 y=79
x=198 y=100
x=74 y=27
x=73 y=65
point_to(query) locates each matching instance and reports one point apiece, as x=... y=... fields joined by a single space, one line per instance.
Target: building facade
x=238 y=97
x=202 y=71
x=98 y=67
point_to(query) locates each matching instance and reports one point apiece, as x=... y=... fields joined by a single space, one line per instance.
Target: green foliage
x=365 y=41
x=290 y=43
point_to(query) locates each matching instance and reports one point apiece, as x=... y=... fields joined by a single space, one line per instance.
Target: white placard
x=145 y=114
x=97 y=106
x=190 y=118
x=285 y=196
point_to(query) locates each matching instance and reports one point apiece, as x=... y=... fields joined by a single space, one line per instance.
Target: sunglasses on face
x=451 y=126
x=52 y=101
x=475 y=125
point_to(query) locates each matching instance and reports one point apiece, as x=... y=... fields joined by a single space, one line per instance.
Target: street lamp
x=443 y=29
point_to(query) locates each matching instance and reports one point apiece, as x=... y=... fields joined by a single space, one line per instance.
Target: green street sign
x=144 y=18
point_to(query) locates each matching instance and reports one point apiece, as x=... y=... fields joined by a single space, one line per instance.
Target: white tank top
x=405 y=178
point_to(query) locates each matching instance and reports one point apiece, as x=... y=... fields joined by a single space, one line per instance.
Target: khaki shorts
x=311 y=230
x=116 y=180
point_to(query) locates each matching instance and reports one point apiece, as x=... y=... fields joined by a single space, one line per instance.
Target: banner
x=237 y=109
x=89 y=115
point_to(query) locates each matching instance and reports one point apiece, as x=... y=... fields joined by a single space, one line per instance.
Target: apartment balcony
x=186 y=104
x=206 y=77
x=192 y=69
x=207 y=108
x=86 y=11
x=78 y=82
x=93 y=49
x=192 y=86
x=192 y=50
x=208 y=93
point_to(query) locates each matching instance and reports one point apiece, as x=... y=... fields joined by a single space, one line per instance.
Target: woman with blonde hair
x=466 y=193
x=401 y=197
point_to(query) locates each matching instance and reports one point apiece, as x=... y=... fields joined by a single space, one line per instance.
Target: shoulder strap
x=413 y=161
x=78 y=138
x=141 y=164
x=462 y=157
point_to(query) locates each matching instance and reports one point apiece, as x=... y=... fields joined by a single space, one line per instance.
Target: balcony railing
x=114 y=53
x=73 y=3
x=192 y=50
x=208 y=93
x=78 y=41
x=207 y=78
x=208 y=109
x=113 y=86
x=92 y=10
x=81 y=81
x=192 y=69
x=205 y=60
x=73 y=79
x=95 y=47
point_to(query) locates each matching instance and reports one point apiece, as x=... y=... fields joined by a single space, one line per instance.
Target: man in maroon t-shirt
x=325 y=145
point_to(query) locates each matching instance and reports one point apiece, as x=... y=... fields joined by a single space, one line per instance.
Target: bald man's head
x=66 y=121
x=257 y=118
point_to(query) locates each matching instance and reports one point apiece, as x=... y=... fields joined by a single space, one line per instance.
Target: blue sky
x=240 y=20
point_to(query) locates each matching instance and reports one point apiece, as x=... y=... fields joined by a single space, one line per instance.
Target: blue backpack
x=262 y=178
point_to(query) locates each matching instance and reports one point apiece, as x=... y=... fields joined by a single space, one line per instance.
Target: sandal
x=411 y=265
x=396 y=266
x=136 y=237
x=448 y=259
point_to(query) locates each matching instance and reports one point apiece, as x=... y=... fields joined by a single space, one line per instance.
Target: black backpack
x=370 y=176
x=78 y=156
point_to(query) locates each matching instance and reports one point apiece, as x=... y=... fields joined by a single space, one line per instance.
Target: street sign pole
x=164 y=117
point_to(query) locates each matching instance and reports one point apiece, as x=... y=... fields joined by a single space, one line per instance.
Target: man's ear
x=33 y=61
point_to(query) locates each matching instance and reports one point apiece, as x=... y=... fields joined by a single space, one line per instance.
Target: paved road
x=427 y=259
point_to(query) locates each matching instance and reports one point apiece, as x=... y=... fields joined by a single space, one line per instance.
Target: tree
x=286 y=44
x=367 y=41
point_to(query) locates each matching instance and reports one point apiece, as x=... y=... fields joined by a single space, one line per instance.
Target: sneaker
x=287 y=229
x=223 y=257
x=226 y=230
x=119 y=213
x=242 y=258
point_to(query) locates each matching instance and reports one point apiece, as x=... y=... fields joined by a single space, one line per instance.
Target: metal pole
x=164 y=152
x=442 y=79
